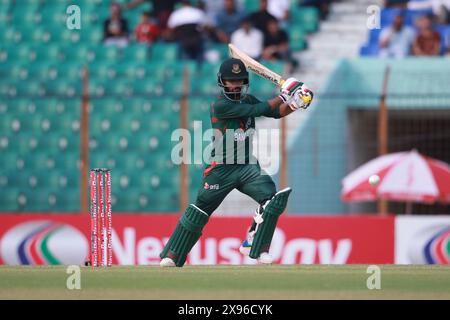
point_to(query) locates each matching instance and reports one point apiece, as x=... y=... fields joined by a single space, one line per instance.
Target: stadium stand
x=134 y=95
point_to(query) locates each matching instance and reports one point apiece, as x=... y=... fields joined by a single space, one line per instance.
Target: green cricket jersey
x=235 y=121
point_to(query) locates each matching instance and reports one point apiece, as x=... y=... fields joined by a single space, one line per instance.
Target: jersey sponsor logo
x=211 y=186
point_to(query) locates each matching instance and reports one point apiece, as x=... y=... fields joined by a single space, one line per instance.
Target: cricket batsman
x=236 y=110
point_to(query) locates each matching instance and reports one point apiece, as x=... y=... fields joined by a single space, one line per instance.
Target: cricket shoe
x=265 y=258
x=167 y=262
x=246 y=246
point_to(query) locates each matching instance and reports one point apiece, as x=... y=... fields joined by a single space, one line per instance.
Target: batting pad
x=265 y=230
x=186 y=234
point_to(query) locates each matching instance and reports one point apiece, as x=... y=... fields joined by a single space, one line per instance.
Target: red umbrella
x=403 y=176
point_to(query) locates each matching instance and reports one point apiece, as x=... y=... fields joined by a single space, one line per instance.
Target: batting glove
x=301 y=100
x=290 y=86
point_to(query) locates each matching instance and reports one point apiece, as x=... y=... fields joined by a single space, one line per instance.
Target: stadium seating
x=134 y=106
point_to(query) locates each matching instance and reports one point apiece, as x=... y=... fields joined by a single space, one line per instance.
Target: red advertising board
x=138 y=239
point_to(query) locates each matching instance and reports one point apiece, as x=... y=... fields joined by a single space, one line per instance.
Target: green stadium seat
x=26 y=123
x=297 y=39
x=6 y=4
x=93 y=34
x=35 y=200
x=9 y=199
x=144 y=142
x=130 y=162
x=137 y=53
x=210 y=69
x=305 y=17
x=122 y=87
x=97 y=88
x=26 y=15
x=39 y=161
x=49 y=52
x=103 y=70
x=149 y=86
x=140 y=106
x=261 y=87
x=251 y=5
x=149 y=180
x=111 y=142
x=100 y=159
x=58 y=142
x=20 y=179
x=50 y=179
x=128 y=201
x=67 y=162
x=6 y=124
x=8 y=162
x=75 y=54
x=106 y=53
x=22 y=106
x=27 y=88
x=205 y=87
x=63 y=88
x=5 y=17
x=67 y=200
x=70 y=71
x=107 y=107
x=11 y=36
x=199 y=108
x=55 y=13
x=19 y=54
x=66 y=36
x=174 y=87
x=70 y=179
x=164 y=51
x=37 y=35
x=38 y=71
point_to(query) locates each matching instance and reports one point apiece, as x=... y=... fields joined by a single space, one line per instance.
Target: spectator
x=396 y=3
x=115 y=28
x=162 y=9
x=213 y=7
x=227 y=21
x=186 y=25
x=428 y=41
x=396 y=40
x=443 y=14
x=146 y=31
x=440 y=8
x=447 y=41
x=276 y=44
x=322 y=5
x=248 y=39
x=280 y=10
x=261 y=17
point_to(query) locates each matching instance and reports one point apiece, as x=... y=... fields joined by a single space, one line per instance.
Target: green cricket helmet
x=233 y=69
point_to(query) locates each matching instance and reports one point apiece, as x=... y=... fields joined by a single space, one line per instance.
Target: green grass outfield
x=227 y=282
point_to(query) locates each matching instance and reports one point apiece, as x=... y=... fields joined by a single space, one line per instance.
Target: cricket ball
x=374 y=179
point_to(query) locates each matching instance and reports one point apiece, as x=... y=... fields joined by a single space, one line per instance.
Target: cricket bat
x=255 y=66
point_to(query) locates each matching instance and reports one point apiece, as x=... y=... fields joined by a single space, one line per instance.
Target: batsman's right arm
x=279 y=108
